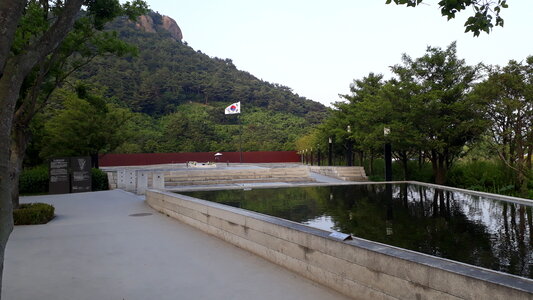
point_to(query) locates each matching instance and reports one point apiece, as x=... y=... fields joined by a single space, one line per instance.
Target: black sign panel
x=80 y=168
x=59 y=176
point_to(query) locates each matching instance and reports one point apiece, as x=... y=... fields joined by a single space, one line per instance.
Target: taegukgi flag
x=235 y=108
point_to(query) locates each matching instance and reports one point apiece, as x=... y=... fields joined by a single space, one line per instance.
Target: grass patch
x=33 y=213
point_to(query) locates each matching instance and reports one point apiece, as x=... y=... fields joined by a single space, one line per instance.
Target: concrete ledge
x=359 y=268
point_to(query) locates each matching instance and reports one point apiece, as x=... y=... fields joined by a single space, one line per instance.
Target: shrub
x=33 y=213
x=485 y=176
x=99 y=180
x=423 y=173
x=34 y=180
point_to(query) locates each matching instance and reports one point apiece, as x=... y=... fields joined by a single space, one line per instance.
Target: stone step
x=353 y=178
x=344 y=173
x=222 y=177
x=229 y=181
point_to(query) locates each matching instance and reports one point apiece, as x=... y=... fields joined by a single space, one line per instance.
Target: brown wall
x=137 y=159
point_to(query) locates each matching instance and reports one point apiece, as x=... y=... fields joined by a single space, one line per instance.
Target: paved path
x=94 y=249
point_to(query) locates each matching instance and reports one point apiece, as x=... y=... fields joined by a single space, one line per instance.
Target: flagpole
x=235 y=108
x=240 y=137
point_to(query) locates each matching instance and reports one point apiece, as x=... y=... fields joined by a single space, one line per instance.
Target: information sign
x=80 y=174
x=59 y=176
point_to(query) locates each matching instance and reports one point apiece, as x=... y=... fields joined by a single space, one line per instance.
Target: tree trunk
x=20 y=137
x=95 y=160
x=10 y=14
x=440 y=177
x=13 y=70
x=439 y=167
x=371 y=166
x=420 y=160
x=405 y=169
x=434 y=164
x=529 y=154
x=10 y=85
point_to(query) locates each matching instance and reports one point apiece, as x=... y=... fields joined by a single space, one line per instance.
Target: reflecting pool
x=484 y=232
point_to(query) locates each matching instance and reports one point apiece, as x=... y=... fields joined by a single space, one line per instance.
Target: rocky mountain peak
x=171 y=26
x=153 y=21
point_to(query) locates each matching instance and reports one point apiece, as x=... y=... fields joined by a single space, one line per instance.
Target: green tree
x=509 y=92
x=367 y=115
x=271 y=131
x=86 y=125
x=189 y=129
x=142 y=134
x=426 y=106
x=486 y=12
x=439 y=107
x=374 y=105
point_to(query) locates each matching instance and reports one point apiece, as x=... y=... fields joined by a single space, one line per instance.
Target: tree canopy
x=486 y=12
x=508 y=92
x=426 y=106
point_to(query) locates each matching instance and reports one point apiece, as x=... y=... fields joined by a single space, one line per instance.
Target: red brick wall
x=136 y=159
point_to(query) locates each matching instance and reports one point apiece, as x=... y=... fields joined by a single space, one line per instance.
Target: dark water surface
x=483 y=232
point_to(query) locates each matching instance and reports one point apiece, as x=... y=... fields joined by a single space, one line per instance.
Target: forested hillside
x=166 y=97
x=167 y=73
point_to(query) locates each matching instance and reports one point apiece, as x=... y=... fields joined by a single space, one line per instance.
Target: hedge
x=99 y=180
x=35 y=180
x=33 y=213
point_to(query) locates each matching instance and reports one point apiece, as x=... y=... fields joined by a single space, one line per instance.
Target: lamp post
x=388 y=155
x=330 y=153
x=349 y=147
x=318 y=155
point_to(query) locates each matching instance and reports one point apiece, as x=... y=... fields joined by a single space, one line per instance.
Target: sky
x=318 y=48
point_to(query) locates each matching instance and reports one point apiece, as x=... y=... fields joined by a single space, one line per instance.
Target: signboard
x=59 y=176
x=80 y=168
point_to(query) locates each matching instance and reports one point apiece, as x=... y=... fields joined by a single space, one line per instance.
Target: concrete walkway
x=95 y=249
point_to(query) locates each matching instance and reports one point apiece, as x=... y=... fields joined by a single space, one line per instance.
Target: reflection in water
x=483 y=232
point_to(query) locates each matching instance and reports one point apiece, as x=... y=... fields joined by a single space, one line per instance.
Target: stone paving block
x=232 y=228
x=194 y=223
x=280 y=245
x=397 y=286
x=386 y=264
x=191 y=213
x=465 y=287
x=263 y=226
x=226 y=215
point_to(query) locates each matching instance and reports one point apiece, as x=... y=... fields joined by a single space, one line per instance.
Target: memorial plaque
x=80 y=174
x=59 y=176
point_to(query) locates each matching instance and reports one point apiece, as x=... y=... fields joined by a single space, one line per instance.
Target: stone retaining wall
x=358 y=268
